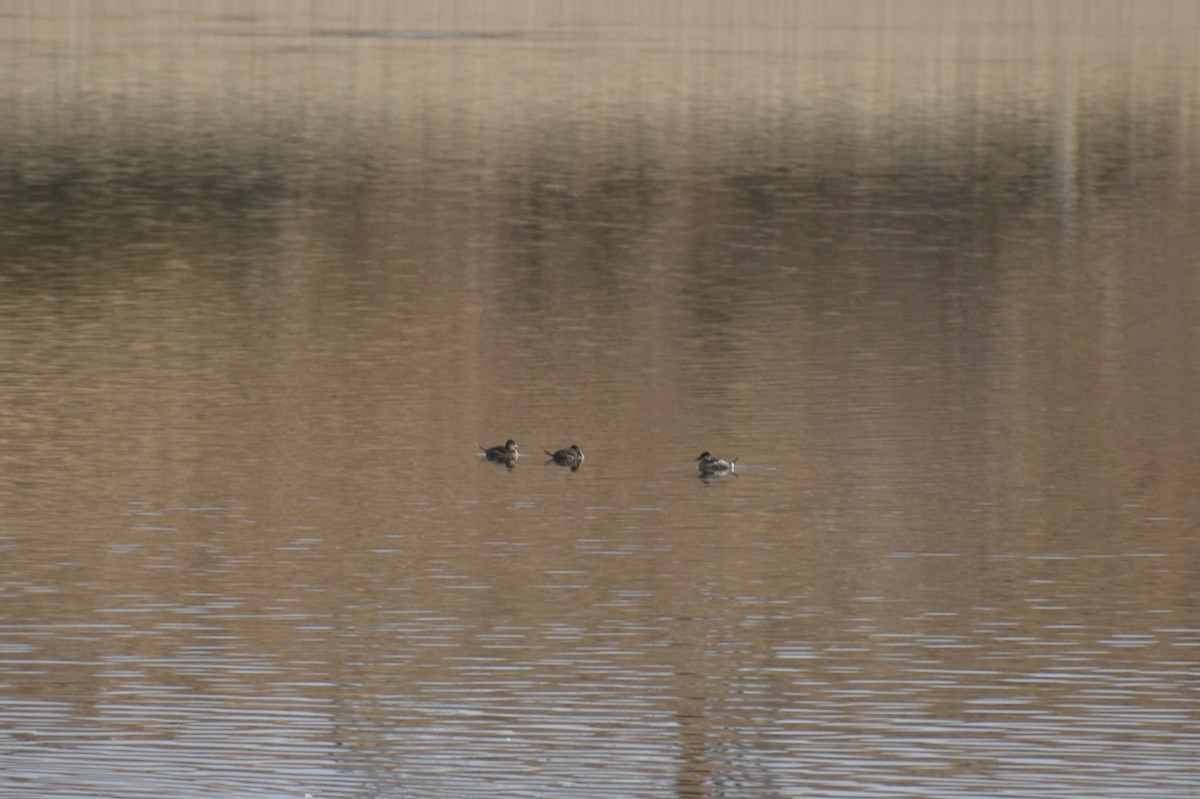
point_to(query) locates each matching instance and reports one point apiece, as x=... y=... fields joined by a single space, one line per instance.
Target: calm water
x=269 y=272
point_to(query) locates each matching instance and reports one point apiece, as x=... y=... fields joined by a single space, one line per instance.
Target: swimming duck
x=571 y=456
x=710 y=464
x=501 y=453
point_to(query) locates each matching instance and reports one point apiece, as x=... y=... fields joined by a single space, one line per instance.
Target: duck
x=710 y=464
x=501 y=453
x=571 y=456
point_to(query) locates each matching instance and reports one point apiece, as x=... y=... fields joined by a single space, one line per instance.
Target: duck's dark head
x=705 y=455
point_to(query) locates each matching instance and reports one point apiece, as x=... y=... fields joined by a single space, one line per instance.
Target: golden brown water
x=268 y=274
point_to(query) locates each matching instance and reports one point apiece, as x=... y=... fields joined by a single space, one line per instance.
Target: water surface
x=268 y=275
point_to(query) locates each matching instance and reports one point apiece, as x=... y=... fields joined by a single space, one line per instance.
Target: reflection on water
x=268 y=275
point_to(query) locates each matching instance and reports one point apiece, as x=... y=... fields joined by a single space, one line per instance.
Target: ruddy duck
x=710 y=464
x=571 y=456
x=501 y=453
